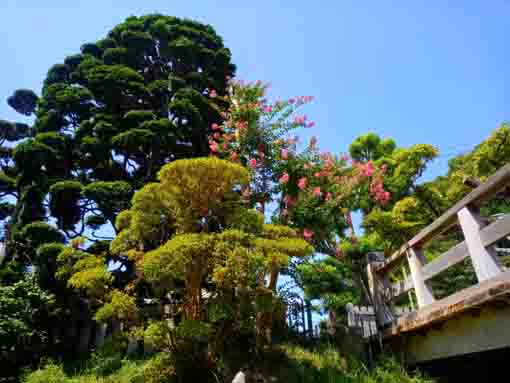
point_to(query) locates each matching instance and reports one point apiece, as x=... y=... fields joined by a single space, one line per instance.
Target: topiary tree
x=106 y=121
x=192 y=235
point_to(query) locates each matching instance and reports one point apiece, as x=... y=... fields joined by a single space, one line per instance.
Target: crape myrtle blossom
x=312 y=189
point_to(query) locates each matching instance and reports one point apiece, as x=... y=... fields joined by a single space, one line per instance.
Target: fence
x=480 y=236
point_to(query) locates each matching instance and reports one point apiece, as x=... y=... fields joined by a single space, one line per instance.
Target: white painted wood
x=378 y=285
x=446 y=260
x=400 y=288
x=482 y=193
x=239 y=378
x=485 y=261
x=495 y=231
x=422 y=290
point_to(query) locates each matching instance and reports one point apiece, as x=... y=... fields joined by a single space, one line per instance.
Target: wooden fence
x=480 y=236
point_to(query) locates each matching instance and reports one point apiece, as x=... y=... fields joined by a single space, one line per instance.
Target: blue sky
x=418 y=71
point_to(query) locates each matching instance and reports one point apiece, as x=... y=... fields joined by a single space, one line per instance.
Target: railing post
x=376 y=284
x=422 y=289
x=484 y=259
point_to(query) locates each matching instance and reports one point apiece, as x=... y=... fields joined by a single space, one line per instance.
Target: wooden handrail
x=483 y=192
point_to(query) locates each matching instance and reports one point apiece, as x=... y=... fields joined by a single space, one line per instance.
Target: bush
x=159 y=369
x=51 y=373
x=108 y=358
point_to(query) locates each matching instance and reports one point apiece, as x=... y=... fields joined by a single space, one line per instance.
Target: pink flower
x=242 y=125
x=368 y=169
x=214 y=147
x=311 y=124
x=258 y=83
x=300 y=120
x=289 y=200
x=317 y=174
x=329 y=196
x=268 y=109
x=285 y=154
x=284 y=178
x=217 y=135
x=308 y=234
x=302 y=183
x=212 y=93
x=317 y=191
x=215 y=126
x=253 y=163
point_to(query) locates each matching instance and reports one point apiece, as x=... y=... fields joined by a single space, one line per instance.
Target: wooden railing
x=479 y=239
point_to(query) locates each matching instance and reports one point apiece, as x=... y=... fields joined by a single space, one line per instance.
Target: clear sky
x=419 y=71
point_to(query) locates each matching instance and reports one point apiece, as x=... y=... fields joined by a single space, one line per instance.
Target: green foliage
x=121 y=306
x=326 y=365
x=174 y=259
x=64 y=198
x=110 y=197
x=159 y=369
x=202 y=189
x=7 y=184
x=329 y=280
x=23 y=101
x=100 y=371
x=84 y=271
x=13 y=131
x=108 y=118
x=47 y=255
x=34 y=235
x=25 y=311
x=91 y=276
x=370 y=147
x=158 y=335
x=51 y=373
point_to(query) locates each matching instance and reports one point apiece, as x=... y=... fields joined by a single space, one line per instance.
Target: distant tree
x=331 y=281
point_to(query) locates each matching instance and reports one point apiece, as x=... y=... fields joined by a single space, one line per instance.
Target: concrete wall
x=476 y=331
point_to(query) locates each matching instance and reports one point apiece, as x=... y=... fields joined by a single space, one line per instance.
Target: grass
x=288 y=363
x=129 y=372
x=327 y=365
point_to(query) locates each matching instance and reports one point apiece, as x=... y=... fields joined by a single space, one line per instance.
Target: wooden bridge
x=472 y=320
